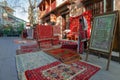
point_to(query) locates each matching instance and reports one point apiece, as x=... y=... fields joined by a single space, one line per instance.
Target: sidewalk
x=7 y=59
x=8 y=67
x=112 y=74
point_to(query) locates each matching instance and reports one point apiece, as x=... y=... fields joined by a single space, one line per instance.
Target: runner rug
x=79 y=70
x=64 y=55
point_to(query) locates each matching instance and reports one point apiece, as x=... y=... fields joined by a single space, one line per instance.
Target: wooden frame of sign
x=103 y=34
x=116 y=45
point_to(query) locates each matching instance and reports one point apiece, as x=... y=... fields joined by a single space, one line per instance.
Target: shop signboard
x=103 y=32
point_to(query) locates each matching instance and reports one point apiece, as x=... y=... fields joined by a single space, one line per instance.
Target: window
x=97 y=6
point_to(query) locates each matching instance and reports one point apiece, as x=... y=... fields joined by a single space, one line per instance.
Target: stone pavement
x=112 y=74
x=7 y=59
x=8 y=67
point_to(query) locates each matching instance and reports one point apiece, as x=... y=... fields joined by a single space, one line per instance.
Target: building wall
x=59 y=2
x=5 y=20
x=0 y=15
x=117 y=5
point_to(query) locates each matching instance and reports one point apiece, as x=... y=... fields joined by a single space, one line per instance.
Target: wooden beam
x=50 y=4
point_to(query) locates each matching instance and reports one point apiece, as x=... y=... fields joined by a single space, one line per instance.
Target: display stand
x=103 y=37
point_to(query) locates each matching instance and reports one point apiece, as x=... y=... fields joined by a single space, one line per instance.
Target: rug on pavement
x=69 y=44
x=79 y=70
x=27 y=49
x=20 y=41
x=29 y=46
x=64 y=55
x=24 y=51
x=30 y=61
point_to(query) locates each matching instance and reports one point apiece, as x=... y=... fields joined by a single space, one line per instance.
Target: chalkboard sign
x=103 y=32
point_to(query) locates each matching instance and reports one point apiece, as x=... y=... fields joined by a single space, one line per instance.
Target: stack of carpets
x=69 y=44
x=23 y=41
x=58 y=71
x=46 y=44
x=44 y=36
x=29 y=46
x=64 y=55
x=27 y=49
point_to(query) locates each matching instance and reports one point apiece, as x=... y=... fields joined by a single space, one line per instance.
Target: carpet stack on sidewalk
x=52 y=64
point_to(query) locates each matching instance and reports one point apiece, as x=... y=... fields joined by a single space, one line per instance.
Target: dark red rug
x=24 y=51
x=79 y=70
x=64 y=55
x=27 y=49
x=29 y=46
x=23 y=41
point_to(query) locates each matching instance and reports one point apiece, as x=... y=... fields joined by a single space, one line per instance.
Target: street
x=8 y=69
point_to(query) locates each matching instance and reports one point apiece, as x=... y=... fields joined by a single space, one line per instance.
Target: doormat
x=58 y=71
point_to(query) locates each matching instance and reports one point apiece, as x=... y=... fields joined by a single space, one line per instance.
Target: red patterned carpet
x=64 y=55
x=24 y=41
x=27 y=49
x=24 y=51
x=29 y=46
x=79 y=70
x=69 y=44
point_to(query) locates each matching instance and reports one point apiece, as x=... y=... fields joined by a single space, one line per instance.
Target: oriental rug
x=69 y=44
x=30 y=61
x=27 y=49
x=58 y=71
x=20 y=41
x=29 y=46
x=64 y=55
